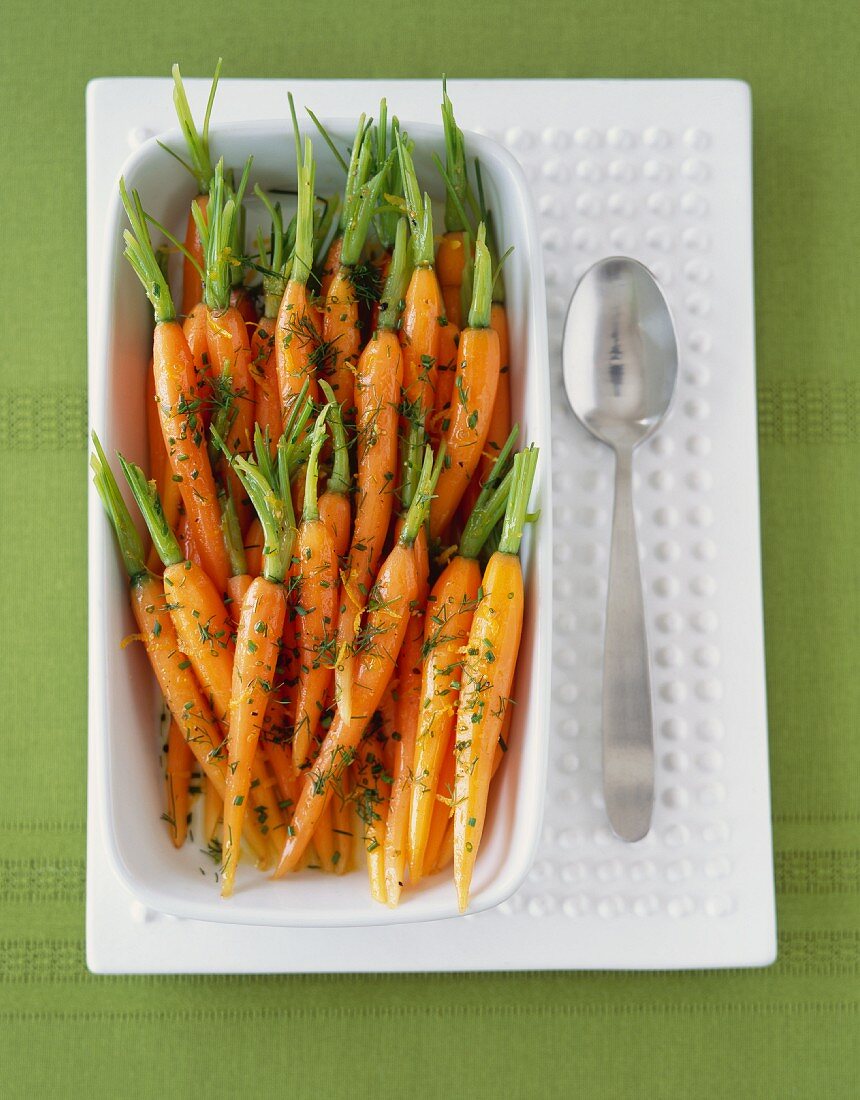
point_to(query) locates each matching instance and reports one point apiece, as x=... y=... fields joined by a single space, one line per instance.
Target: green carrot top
x=392 y=301
x=276 y=257
x=482 y=283
x=303 y=254
x=340 y=479
x=491 y=503
x=383 y=134
x=362 y=210
x=523 y=474
x=127 y=537
x=141 y=254
x=217 y=231
x=196 y=141
x=418 y=207
x=311 y=510
x=455 y=165
x=148 y=501
x=267 y=484
x=419 y=508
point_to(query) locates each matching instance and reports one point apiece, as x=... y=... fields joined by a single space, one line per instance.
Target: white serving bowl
x=124 y=701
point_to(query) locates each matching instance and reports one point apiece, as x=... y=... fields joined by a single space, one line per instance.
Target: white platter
x=659 y=170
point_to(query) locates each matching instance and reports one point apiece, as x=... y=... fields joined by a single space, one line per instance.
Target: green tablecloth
x=787 y=1031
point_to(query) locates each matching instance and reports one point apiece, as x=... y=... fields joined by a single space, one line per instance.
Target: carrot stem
x=482 y=292
x=141 y=255
x=146 y=494
x=420 y=505
x=391 y=303
x=303 y=254
x=311 y=510
x=127 y=537
x=340 y=478
x=515 y=516
x=418 y=207
x=196 y=141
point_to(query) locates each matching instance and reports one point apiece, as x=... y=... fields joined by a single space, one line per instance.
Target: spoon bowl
x=620 y=364
x=619 y=353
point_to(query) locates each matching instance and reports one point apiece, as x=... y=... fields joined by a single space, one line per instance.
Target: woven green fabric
x=785 y=1032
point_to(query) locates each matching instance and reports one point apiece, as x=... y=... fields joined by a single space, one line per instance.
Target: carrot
x=379 y=644
x=408 y=692
x=172 y=669
x=373 y=790
x=442 y=812
x=342 y=823
x=159 y=467
x=488 y=671
x=204 y=627
x=229 y=350
x=335 y=507
x=178 y=402
x=475 y=385
x=180 y=766
x=197 y=143
x=258 y=638
x=213 y=806
x=449 y=336
x=423 y=306
x=450 y=611
x=316 y=607
x=377 y=396
x=298 y=345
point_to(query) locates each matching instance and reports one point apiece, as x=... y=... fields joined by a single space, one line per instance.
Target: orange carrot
x=472 y=401
x=298 y=344
x=178 y=402
x=180 y=766
x=159 y=467
x=377 y=396
x=487 y=677
x=449 y=335
x=316 y=607
x=423 y=307
x=195 y=327
x=378 y=648
x=442 y=811
x=372 y=792
x=258 y=639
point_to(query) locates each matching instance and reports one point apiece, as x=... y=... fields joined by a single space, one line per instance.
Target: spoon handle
x=628 y=744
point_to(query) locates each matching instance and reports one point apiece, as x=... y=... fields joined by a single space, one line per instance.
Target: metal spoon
x=620 y=362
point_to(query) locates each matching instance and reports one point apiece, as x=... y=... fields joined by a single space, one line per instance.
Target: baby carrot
x=377 y=397
x=258 y=641
x=449 y=336
x=315 y=606
x=229 y=350
x=180 y=766
x=298 y=345
x=372 y=792
x=408 y=693
x=488 y=671
x=378 y=647
x=465 y=431
x=178 y=402
x=423 y=307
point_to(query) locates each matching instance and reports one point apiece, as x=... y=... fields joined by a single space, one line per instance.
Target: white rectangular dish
x=660 y=170
x=124 y=702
